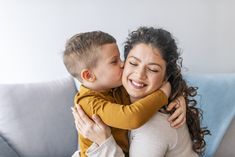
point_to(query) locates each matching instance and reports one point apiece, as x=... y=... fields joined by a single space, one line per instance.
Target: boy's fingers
x=178 y=121
x=180 y=124
x=175 y=115
x=172 y=105
x=181 y=101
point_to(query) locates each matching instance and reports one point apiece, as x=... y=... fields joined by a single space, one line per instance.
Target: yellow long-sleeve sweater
x=115 y=110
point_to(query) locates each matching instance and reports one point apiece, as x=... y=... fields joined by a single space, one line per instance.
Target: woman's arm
x=108 y=148
x=98 y=132
x=94 y=129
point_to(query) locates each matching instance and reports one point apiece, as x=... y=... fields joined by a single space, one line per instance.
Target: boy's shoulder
x=88 y=94
x=84 y=91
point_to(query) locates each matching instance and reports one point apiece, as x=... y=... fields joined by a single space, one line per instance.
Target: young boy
x=93 y=58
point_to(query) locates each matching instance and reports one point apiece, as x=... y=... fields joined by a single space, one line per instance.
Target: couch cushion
x=36 y=119
x=216 y=99
x=6 y=150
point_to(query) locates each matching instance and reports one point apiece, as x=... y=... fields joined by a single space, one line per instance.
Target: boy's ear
x=88 y=75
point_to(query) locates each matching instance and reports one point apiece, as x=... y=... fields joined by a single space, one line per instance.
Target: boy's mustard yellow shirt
x=115 y=110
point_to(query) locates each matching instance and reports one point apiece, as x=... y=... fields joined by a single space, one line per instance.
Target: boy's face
x=108 y=71
x=144 y=71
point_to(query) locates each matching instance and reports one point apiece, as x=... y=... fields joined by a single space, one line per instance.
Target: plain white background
x=33 y=32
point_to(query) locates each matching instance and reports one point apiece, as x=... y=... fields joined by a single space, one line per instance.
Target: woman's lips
x=137 y=84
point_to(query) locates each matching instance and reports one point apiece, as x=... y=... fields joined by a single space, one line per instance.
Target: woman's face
x=144 y=71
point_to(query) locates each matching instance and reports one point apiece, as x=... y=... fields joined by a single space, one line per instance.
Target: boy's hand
x=95 y=130
x=178 y=118
x=166 y=88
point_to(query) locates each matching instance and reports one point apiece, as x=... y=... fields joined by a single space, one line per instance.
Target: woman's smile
x=137 y=84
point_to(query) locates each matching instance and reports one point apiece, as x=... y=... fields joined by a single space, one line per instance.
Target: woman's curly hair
x=164 y=41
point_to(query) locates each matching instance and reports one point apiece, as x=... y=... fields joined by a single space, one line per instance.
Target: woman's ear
x=88 y=75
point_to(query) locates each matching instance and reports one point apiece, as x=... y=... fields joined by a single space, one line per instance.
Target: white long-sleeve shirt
x=156 y=138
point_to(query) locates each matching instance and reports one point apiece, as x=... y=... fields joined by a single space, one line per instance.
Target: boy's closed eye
x=114 y=61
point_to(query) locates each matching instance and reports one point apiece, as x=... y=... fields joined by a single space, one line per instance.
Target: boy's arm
x=125 y=116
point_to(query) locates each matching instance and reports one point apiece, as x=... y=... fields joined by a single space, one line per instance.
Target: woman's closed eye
x=153 y=70
x=133 y=63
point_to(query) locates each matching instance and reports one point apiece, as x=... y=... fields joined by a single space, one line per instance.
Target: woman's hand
x=178 y=118
x=95 y=130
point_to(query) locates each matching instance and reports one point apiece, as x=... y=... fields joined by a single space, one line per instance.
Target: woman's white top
x=156 y=138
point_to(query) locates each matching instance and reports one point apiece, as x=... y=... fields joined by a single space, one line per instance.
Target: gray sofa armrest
x=36 y=119
x=6 y=150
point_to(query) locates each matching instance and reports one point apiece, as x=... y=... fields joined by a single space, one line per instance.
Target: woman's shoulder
x=157 y=126
x=159 y=120
x=156 y=134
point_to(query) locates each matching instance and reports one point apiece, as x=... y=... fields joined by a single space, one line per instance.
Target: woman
x=151 y=58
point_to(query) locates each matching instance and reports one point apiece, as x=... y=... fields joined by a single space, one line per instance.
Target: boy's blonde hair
x=81 y=51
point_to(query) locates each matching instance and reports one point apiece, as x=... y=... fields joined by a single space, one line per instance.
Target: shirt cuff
x=95 y=147
x=109 y=144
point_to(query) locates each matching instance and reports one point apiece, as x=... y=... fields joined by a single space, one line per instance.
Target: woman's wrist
x=103 y=139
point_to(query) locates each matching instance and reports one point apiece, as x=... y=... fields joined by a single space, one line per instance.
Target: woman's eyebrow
x=134 y=58
x=155 y=64
x=152 y=63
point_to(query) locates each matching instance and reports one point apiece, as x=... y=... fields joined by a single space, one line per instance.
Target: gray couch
x=36 y=119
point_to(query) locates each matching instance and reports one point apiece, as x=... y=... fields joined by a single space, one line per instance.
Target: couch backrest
x=36 y=119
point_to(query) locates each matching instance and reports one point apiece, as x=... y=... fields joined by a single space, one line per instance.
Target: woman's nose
x=140 y=72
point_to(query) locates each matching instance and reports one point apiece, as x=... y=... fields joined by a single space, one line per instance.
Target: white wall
x=33 y=32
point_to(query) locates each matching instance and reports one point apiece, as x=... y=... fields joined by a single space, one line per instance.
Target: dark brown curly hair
x=164 y=41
